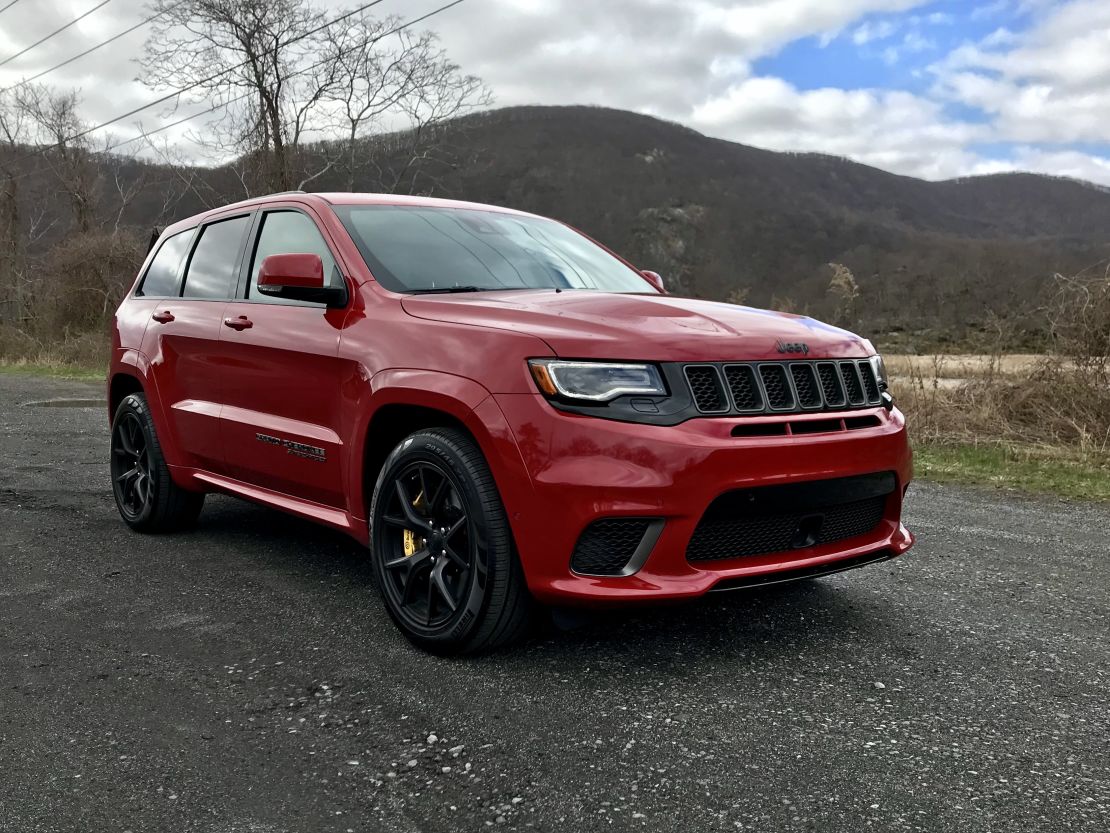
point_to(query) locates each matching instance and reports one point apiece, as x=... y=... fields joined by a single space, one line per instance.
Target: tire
x=442 y=549
x=147 y=498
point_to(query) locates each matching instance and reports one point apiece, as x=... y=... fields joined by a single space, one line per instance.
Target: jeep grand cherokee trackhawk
x=502 y=409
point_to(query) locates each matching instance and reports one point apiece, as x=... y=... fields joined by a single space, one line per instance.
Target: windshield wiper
x=452 y=289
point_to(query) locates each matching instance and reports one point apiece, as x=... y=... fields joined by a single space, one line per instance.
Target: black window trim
x=138 y=291
x=199 y=232
x=254 y=235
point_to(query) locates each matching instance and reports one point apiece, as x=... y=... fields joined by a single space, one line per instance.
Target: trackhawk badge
x=792 y=347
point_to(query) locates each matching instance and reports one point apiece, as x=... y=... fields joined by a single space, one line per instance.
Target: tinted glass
x=411 y=248
x=212 y=266
x=164 y=273
x=289 y=232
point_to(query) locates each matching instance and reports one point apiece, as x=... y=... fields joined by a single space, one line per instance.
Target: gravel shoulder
x=243 y=677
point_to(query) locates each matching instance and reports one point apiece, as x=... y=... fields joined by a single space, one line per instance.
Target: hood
x=586 y=324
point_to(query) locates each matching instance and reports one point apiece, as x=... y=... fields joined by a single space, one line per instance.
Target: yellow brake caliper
x=410 y=542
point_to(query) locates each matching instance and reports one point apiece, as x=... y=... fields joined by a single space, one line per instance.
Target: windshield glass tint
x=413 y=248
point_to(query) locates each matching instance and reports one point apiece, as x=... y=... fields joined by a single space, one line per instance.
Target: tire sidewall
x=435 y=449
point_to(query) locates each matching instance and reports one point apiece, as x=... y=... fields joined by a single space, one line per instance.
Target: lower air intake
x=776 y=519
x=607 y=546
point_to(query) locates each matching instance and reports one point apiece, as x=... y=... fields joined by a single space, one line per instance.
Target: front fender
x=463 y=399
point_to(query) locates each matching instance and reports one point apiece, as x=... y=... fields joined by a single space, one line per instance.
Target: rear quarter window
x=163 y=276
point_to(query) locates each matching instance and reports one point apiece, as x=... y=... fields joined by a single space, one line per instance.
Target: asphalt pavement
x=244 y=677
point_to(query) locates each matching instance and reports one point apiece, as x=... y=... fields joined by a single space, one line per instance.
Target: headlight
x=879 y=366
x=596 y=381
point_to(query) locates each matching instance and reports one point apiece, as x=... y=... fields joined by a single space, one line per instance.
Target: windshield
x=421 y=249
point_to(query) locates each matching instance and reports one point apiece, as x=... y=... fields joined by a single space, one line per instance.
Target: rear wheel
x=442 y=548
x=147 y=498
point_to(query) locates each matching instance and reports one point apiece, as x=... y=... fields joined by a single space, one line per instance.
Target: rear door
x=281 y=417
x=182 y=338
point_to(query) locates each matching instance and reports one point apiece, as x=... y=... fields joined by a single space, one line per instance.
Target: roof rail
x=280 y=193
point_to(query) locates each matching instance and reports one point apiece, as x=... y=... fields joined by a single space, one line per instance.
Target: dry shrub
x=86 y=276
x=1063 y=399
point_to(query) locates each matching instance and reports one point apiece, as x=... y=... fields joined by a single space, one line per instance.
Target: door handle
x=240 y=323
x=164 y=317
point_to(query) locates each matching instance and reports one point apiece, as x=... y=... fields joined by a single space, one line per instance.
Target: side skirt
x=326 y=515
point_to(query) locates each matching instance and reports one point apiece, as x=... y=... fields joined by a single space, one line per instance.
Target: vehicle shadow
x=805 y=615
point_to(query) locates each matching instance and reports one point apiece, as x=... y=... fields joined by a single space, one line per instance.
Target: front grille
x=783 y=387
x=774 y=519
x=606 y=546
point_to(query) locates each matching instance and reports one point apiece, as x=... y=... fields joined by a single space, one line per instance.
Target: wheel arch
x=402 y=402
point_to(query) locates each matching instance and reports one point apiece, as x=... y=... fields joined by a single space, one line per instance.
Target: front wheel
x=442 y=548
x=147 y=498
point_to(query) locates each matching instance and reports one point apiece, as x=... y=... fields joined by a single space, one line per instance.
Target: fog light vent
x=614 y=546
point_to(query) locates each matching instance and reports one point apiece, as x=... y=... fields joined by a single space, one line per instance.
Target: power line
x=229 y=102
x=58 y=31
x=91 y=49
x=302 y=71
x=196 y=84
x=9 y=5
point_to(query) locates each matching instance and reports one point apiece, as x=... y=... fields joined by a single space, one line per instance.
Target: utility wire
x=229 y=102
x=9 y=5
x=309 y=68
x=58 y=31
x=195 y=84
x=91 y=49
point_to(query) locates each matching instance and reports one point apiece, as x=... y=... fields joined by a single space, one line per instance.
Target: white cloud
x=894 y=130
x=692 y=61
x=870 y=31
x=1050 y=84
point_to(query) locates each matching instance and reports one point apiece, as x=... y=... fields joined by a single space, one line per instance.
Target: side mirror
x=655 y=279
x=299 y=277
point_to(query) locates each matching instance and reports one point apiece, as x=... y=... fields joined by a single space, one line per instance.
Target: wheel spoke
x=455 y=527
x=454 y=556
x=432 y=501
x=441 y=586
x=127 y=475
x=406 y=560
x=431 y=599
x=410 y=511
x=125 y=439
x=410 y=582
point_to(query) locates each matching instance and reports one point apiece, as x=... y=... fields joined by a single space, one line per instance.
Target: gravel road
x=243 y=677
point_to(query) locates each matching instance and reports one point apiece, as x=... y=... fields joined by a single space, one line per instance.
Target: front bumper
x=581 y=469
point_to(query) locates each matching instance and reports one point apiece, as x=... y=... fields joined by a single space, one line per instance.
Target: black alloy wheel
x=146 y=496
x=442 y=549
x=428 y=559
x=131 y=479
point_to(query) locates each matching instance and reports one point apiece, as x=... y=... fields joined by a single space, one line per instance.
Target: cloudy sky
x=930 y=88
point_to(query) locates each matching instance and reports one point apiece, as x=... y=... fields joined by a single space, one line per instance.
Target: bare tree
x=55 y=119
x=289 y=85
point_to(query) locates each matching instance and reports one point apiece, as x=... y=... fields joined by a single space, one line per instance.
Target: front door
x=282 y=374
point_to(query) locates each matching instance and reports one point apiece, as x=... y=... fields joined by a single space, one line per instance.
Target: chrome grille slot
x=849 y=373
x=805 y=383
x=705 y=385
x=744 y=388
x=776 y=384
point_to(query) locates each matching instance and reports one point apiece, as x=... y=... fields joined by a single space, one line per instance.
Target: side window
x=211 y=272
x=289 y=232
x=163 y=276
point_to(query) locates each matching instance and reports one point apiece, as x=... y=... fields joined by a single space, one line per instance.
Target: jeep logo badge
x=792 y=347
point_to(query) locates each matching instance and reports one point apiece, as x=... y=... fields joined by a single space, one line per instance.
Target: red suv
x=502 y=409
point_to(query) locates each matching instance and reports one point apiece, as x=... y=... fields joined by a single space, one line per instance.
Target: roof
x=337 y=198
